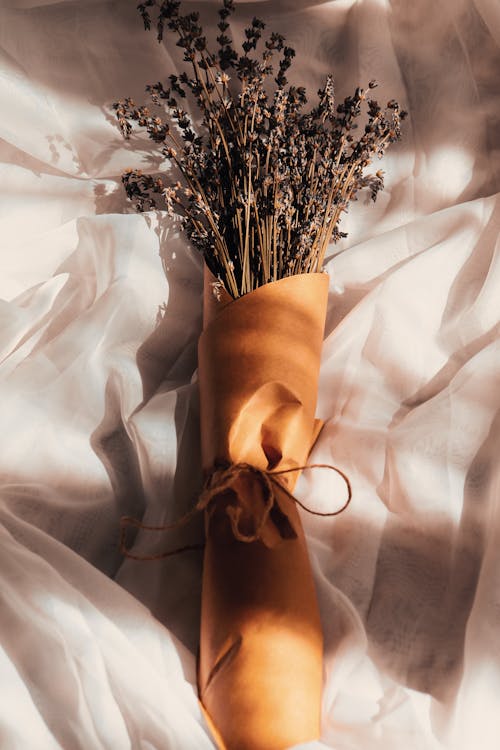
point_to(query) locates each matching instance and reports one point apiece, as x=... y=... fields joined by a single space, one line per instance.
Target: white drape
x=100 y=311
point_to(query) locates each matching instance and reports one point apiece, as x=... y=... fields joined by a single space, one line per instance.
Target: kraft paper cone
x=261 y=645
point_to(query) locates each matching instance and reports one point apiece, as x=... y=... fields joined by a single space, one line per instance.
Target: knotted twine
x=220 y=480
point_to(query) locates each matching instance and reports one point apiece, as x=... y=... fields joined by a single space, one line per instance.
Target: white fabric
x=99 y=319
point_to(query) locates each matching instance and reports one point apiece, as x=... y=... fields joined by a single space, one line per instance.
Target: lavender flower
x=262 y=183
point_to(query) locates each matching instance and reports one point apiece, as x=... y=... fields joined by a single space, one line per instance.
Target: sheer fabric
x=100 y=313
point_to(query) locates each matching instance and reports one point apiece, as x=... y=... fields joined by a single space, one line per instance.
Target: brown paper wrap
x=261 y=646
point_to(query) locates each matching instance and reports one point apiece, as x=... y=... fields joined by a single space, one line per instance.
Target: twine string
x=218 y=481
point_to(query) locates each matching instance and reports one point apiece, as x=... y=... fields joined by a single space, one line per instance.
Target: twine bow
x=220 y=480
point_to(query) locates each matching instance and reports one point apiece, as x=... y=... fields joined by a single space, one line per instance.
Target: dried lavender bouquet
x=260 y=189
x=262 y=183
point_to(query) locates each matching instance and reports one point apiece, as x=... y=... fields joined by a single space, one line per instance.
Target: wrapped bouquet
x=259 y=187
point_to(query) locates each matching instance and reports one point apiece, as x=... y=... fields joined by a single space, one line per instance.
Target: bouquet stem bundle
x=262 y=185
x=260 y=674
